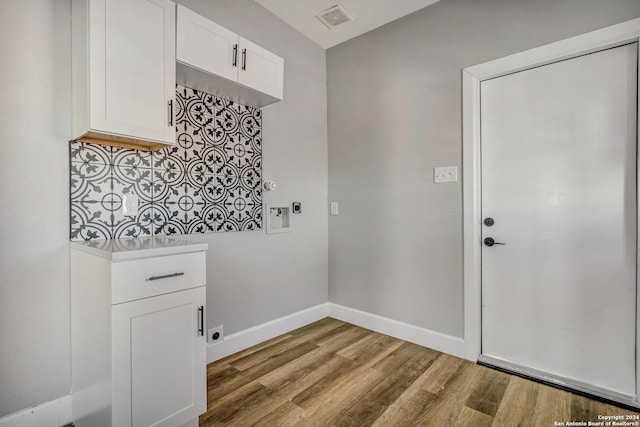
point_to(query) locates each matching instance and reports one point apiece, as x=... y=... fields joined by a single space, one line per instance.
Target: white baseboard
x=55 y=414
x=249 y=337
x=404 y=331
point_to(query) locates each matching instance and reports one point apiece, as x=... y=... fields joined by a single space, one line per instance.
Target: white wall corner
x=404 y=331
x=55 y=413
x=249 y=337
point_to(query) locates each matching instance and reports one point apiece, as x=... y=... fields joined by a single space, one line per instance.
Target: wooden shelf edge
x=122 y=142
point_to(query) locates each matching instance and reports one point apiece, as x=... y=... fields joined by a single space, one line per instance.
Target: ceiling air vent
x=334 y=16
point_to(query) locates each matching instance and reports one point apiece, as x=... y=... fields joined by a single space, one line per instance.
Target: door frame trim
x=608 y=37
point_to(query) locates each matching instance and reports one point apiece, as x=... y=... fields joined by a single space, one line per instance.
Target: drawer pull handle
x=201 y=323
x=166 y=276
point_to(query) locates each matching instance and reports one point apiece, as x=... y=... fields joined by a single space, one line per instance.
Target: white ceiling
x=367 y=14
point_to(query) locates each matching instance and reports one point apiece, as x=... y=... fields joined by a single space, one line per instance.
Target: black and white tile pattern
x=210 y=181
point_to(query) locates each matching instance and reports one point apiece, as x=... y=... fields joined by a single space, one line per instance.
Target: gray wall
x=252 y=277
x=394 y=103
x=35 y=125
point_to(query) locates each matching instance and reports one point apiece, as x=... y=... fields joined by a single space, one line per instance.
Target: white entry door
x=558 y=147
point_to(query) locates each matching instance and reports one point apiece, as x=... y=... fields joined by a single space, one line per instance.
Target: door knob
x=490 y=242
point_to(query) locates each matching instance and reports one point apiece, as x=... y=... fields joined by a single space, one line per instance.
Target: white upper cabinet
x=260 y=69
x=206 y=45
x=216 y=60
x=124 y=71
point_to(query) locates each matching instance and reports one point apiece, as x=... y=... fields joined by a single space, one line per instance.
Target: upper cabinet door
x=206 y=45
x=139 y=69
x=260 y=69
x=124 y=71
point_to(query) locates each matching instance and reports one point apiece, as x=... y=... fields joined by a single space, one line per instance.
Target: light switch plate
x=445 y=174
x=334 y=208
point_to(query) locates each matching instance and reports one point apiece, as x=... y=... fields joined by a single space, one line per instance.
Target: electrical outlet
x=215 y=335
x=130 y=204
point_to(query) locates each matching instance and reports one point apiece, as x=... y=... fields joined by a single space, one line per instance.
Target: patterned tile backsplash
x=210 y=181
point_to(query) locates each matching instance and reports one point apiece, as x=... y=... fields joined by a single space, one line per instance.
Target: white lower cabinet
x=159 y=360
x=138 y=361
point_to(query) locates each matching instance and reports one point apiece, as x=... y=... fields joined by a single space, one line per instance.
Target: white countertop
x=140 y=247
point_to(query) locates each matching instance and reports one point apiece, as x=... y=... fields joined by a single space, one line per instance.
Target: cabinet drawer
x=132 y=280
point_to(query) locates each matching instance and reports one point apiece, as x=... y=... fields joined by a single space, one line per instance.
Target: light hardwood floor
x=332 y=373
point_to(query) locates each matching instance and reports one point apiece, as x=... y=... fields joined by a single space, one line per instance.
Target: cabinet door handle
x=235 y=55
x=170 y=111
x=166 y=276
x=201 y=323
x=244 y=59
